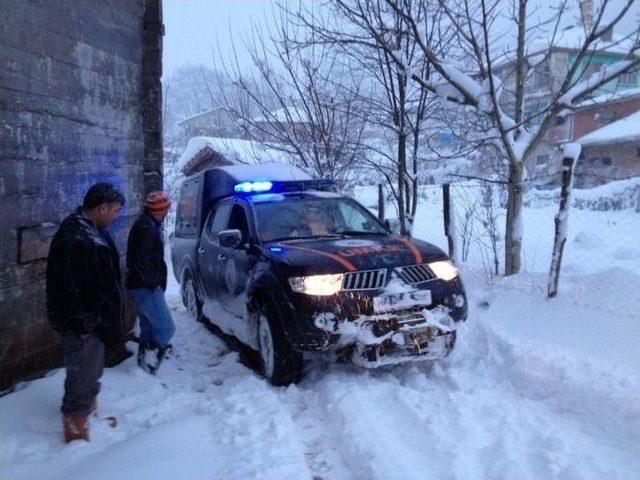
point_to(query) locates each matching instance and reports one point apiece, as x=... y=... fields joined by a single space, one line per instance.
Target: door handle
x=200 y=250
x=222 y=256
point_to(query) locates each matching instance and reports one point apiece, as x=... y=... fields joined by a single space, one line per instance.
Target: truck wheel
x=281 y=365
x=190 y=299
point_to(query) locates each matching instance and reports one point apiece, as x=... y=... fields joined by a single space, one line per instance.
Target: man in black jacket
x=84 y=300
x=147 y=281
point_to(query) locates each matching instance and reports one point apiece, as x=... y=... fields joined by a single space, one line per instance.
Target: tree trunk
x=562 y=223
x=513 y=230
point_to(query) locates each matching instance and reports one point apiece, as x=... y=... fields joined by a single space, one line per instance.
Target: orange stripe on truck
x=345 y=263
x=412 y=246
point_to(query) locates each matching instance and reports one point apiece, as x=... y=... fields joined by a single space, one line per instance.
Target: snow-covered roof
x=626 y=129
x=573 y=38
x=235 y=150
x=610 y=97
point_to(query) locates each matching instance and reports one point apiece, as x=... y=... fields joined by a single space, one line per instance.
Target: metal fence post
x=380 y=203
x=446 y=211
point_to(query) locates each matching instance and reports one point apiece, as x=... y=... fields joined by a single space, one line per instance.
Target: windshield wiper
x=358 y=232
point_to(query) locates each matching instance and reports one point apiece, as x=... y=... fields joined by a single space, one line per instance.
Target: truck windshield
x=308 y=217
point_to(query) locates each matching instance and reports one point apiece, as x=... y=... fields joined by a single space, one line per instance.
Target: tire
x=280 y=364
x=190 y=298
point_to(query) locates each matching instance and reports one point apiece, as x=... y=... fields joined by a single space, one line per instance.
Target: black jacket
x=145 y=255
x=84 y=291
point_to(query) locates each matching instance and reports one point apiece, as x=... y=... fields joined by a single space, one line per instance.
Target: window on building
x=593 y=67
x=539 y=80
x=607 y=117
x=628 y=79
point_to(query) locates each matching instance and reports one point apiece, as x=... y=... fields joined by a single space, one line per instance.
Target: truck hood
x=338 y=255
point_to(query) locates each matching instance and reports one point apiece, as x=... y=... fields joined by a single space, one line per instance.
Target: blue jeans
x=156 y=324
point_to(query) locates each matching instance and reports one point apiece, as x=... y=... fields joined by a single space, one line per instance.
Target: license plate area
x=420 y=337
x=401 y=301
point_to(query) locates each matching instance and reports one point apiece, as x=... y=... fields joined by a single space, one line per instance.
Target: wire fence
x=603 y=226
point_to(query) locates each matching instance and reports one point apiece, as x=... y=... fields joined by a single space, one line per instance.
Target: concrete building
x=80 y=101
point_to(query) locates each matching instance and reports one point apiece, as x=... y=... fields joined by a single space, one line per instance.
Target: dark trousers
x=84 y=361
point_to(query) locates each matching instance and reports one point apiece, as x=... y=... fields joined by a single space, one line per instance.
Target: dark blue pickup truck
x=290 y=267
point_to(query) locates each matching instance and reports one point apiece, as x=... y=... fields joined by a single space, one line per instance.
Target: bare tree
x=298 y=102
x=472 y=78
x=394 y=105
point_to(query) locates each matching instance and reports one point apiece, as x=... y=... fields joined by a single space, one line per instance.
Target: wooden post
x=446 y=210
x=562 y=223
x=380 y=203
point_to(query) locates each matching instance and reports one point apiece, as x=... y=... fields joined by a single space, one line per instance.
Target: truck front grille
x=364 y=280
x=414 y=274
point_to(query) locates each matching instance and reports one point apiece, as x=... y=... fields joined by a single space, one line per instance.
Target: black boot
x=161 y=352
x=146 y=356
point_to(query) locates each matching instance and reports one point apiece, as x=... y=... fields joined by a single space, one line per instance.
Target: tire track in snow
x=322 y=444
x=493 y=410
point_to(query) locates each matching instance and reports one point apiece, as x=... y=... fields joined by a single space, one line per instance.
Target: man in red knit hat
x=147 y=281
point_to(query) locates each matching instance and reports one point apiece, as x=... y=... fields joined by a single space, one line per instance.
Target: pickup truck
x=292 y=268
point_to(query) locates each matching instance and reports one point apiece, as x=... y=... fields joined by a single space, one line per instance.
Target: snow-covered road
x=502 y=406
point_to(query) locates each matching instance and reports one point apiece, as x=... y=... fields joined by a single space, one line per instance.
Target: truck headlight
x=444 y=270
x=317 y=284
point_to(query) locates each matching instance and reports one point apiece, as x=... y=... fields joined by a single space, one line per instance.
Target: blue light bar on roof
x=251 y=187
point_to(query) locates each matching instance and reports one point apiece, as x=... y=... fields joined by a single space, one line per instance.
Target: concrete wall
x=79 y=103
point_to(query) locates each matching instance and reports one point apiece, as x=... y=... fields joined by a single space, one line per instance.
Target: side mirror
x=393 y=225
x=230 y=238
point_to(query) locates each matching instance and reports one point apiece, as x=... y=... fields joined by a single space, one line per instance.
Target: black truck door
x=233 y=265
x=210 y=249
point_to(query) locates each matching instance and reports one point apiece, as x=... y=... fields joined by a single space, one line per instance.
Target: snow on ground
x=535 y=389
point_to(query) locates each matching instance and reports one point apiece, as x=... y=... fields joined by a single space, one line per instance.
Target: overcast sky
x=195 y=27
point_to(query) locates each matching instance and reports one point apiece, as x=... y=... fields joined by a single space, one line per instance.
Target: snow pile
x=523 y=396
x=617 y=195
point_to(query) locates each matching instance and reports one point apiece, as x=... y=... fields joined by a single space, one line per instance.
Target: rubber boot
x=161 y=352
x=75 y=428
x=147 y=357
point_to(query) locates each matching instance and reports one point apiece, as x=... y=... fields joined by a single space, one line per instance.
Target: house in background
x=545 y=79
x=608 y=129
x=610 y=153
x=217 y=122
x=288 y=122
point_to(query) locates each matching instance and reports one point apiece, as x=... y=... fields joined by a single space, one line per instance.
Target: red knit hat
x=157 y=202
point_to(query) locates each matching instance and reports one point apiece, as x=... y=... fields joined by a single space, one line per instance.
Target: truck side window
x=218 y=221
x=187 y=210
x=238 y=221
